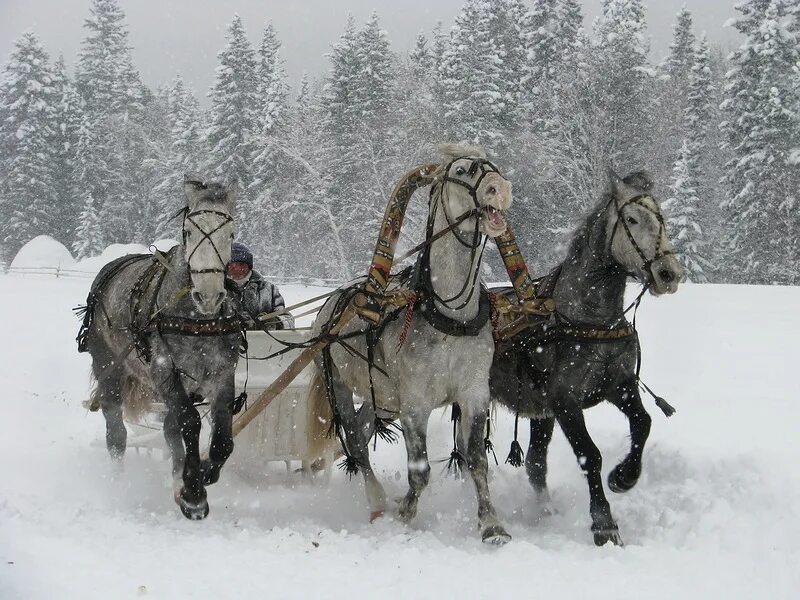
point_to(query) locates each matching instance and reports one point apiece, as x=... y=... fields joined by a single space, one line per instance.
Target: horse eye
x=632 y=221
x=460 y=170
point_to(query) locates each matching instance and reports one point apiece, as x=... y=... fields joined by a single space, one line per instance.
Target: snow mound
x=114 y=251
x=43 y=252
x=165 y=244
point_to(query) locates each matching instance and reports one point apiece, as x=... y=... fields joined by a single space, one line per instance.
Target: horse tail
x=137 y=398
x=320 y=416
x=92 y=404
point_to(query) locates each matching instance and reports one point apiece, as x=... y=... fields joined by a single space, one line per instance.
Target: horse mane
x=641 y=180
x=209 y=191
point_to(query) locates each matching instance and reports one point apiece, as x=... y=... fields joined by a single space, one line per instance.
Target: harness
x=145 y=315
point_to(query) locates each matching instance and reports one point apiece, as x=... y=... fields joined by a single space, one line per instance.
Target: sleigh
x=280 y=432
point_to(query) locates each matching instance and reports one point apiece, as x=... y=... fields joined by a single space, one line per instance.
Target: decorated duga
x=389 y=348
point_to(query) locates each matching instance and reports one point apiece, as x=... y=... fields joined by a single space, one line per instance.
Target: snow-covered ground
x=715 y=514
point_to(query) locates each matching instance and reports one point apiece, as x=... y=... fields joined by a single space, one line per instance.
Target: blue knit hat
x=241 y=253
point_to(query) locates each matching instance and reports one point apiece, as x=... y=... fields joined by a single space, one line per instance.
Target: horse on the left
x=161 y=326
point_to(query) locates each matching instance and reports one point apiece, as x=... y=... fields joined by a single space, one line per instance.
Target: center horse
x=587 y=351
x=161 y=326
x=448 y=353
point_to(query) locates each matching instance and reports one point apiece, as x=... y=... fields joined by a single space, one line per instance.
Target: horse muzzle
x=665 y=273
x=495 y=198
x=208 y=303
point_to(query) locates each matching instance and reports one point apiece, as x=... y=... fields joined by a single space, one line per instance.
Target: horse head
x=469 y=185
x=207 y=238
x=637 y=234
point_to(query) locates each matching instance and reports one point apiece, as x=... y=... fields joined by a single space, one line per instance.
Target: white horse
x=448 y=353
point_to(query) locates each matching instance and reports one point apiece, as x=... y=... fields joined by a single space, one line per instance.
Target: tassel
x=487 y=441
x=455 y=464
x=238 y=403
x=349 y=465
x=515 y=455
x=455 y=415
x=665 y=406
x=384 y=430
x=489 y=447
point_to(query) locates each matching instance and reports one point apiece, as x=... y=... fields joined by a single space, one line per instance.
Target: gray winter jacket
x=259 y=296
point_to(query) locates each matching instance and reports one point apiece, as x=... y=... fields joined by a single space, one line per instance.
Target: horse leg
x=473 y=427
x=625 y=475
x=536 y=460
x=109 y=394
x=419 y=469
x=174 y=439
x=358 y=448
x=183 y=417
x=570 y=419
x=221 y=436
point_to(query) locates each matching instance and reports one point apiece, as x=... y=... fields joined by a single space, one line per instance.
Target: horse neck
x=177 y=276
x=591 y=286
x=451 y=265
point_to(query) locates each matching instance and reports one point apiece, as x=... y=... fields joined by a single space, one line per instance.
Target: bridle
x=477 y=164
x=647 y=263
x=485 y=166
x=187 y=216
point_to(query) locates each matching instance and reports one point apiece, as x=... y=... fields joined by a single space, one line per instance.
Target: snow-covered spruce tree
x=681 y=50
x=107 y=81
x=420 y=55
x=620 y=81
x=357 y=100
x=185 y=153
x=681 y=207
x=670 y=91
x=470 y=73
x=701 y=118
x=341 y=156
x=543 y=45
x=761 y=230
x=266 y=222
x=315 y=236
x=67 y=125
x=88 y=237
x=91 y=183
x=233 y=115
x=28 y=198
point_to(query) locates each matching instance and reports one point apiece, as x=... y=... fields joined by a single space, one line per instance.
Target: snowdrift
x=714 y=514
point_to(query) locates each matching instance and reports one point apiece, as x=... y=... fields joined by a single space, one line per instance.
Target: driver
x=254 y=294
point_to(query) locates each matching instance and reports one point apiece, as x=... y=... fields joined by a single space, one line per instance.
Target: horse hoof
x=375 y=515
x=603 y=536
x=495 y=535
x=194 y=512
x=617 y=482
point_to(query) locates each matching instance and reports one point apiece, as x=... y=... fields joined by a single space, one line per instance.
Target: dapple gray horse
x=447 y=356
x=573 y=361
x=177 y=340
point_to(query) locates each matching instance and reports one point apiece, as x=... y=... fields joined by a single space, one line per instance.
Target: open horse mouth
x=492 y=221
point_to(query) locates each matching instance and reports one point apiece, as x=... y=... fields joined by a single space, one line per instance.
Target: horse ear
x=639 y=179
x=193 y=187
x=614 y=180
x=231 y=192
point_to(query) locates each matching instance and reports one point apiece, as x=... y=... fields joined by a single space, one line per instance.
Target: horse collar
x=421 y=284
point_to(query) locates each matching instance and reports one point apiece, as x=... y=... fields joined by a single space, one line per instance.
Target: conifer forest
x=92 y=156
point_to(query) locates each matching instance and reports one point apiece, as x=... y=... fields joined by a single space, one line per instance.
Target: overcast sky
x=171 y=36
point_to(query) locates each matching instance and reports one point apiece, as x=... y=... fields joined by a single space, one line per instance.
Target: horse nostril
x=491 y=190
x=666 y=275
x=220 y=297
x=196 y=297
